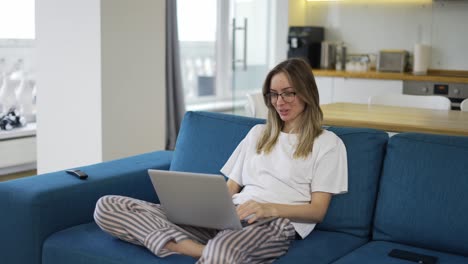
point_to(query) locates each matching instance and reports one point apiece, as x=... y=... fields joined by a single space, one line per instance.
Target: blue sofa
x=409 y=191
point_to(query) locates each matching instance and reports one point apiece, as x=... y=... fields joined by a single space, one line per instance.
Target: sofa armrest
x=35 y=207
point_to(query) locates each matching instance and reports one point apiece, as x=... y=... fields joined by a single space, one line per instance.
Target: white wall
x=68 y=52
x=450 y=35
x=133 y=79
x=297 y=12
x=370 y=27
x=89 y=85
x=278 y=32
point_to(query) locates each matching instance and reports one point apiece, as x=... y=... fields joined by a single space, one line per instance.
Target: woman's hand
x=313 y=212
x=256 y=209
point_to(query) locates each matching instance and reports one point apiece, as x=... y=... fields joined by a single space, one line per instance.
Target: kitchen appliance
x=392 y=61
x=341 y=56
x=328 y=55
x=421 y=59
x=305 y=42
x=456 y=92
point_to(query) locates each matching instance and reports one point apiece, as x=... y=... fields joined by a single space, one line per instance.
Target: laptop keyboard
x=244 y=223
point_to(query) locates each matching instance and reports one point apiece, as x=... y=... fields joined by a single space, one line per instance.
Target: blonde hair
x=300 y=76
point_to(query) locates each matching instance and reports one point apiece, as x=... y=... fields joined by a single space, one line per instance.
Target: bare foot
x=186 y=247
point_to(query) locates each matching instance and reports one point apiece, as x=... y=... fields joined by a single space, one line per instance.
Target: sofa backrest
x=206 y=140
x=353 y=212
x=423 y=196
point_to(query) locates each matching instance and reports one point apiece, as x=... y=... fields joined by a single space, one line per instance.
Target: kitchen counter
x=396 y=119
x=432 y=76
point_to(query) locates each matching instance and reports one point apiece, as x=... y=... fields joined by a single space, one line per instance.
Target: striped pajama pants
x=143 y=223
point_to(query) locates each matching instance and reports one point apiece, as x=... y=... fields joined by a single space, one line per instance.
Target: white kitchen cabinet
x=352 y=90
x=325 y=89
x=18 y=149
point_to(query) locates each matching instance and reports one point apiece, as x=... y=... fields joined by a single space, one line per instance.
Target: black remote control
x=78 y=173
x=412 y=256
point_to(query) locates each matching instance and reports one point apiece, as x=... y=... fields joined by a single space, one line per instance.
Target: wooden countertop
x=396 y=119
x=433 y=76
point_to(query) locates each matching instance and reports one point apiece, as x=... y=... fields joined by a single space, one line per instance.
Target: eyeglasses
x=288 y=97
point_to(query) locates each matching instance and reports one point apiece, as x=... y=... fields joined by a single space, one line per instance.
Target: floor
x=17 y=175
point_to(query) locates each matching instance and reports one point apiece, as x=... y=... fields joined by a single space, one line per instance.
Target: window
x=17 y=19
x=197 y=41
x=226 y=48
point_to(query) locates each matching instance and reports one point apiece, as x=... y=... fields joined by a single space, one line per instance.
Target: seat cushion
x=321 y=247
x=423 y=193
x=88 y=244
x=377 y=252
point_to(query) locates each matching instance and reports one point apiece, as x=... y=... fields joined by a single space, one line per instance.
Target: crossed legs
x=143 y=223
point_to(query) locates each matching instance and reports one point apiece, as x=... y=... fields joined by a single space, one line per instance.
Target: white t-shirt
x=279 y=178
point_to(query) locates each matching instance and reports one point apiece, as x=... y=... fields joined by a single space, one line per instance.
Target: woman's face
x=291 y=106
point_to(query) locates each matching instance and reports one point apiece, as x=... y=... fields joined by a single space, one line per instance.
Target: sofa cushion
x=377 y=252
x=353 y=212
x=321 y=247
x=88 y=244
x=206 y=140
x=423 y=193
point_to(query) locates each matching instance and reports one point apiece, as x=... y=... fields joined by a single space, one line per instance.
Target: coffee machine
x=305 y=42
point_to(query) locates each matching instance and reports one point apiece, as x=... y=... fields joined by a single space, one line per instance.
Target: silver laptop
x=198 y=200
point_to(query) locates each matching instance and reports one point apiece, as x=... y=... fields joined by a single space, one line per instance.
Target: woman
x=288 y=169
